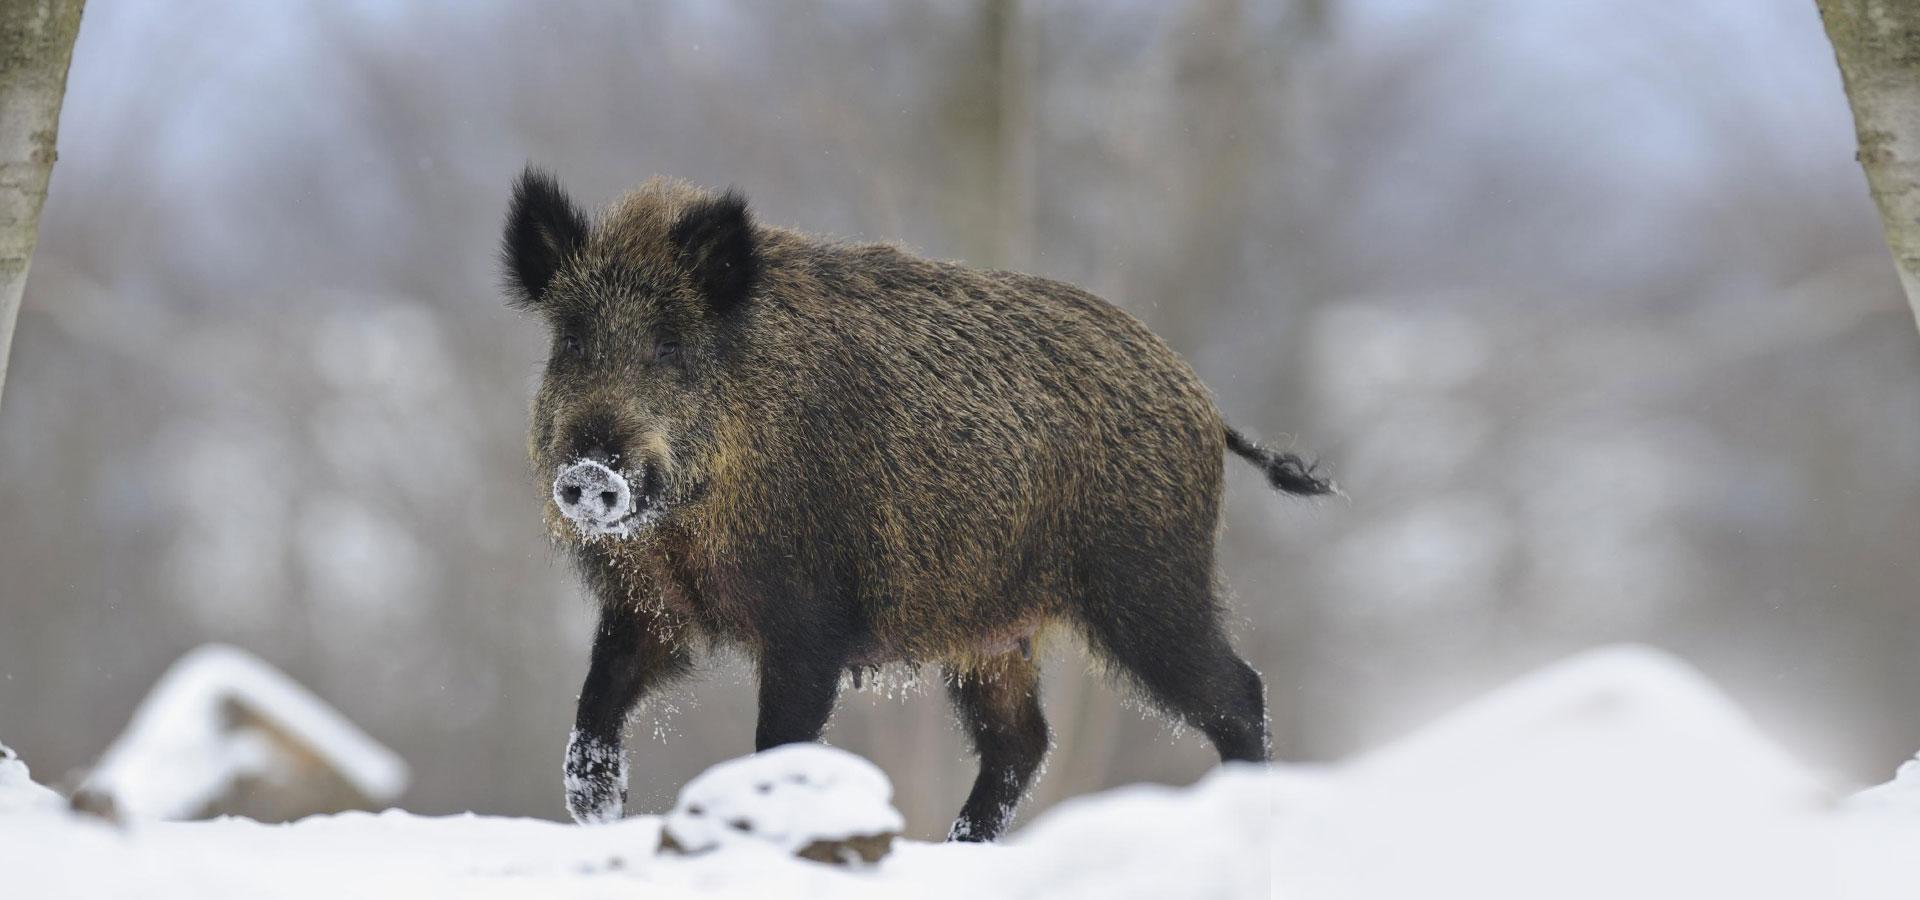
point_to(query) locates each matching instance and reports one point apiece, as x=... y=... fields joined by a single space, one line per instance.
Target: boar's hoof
x=596 y=499
x=596 y=779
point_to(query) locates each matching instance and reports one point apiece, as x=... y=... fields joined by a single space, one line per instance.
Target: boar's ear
x=543 y=229
x=715 y=240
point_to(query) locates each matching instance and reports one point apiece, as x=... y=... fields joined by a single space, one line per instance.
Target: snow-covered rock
x=18 y=791
x=223 y=732
x=811 y=800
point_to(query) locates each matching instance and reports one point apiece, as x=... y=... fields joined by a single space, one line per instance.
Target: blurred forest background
x=1585 y=303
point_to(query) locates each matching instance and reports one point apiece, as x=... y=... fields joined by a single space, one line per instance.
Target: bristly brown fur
x=867 y=456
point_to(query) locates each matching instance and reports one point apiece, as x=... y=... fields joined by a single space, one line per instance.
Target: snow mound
x=1618 y=773
x=18 y=791
x=1631 y=716
x=1211 y=840
x=1901 y=795
x=220 y=716
x=807 y=799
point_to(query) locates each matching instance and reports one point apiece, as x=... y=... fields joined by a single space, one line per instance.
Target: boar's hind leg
x=1165 y=632
x=630 y=655
x=999 y=704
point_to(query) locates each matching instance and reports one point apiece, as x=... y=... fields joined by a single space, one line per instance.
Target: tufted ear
x=543 y=229
x=716 y=244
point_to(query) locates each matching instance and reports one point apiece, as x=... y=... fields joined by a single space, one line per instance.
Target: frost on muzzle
x=598 y=500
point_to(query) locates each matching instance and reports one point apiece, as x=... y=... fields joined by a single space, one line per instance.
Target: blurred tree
x=985 y=118
x=1878 y=46
x=36 y=44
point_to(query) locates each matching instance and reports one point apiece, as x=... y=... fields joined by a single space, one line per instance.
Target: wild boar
x=838 y=456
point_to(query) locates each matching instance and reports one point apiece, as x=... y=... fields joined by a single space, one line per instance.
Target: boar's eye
x=569 y=345
x=667 y=352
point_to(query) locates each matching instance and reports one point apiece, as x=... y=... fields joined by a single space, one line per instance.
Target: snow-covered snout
x=611 y=467
x=604 y=494
x=596 y=499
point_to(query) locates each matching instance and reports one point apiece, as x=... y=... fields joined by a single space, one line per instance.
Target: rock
x=809 y=800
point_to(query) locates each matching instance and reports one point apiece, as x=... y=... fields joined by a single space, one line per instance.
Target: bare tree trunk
x=1014 y=200
x=1878 y=46
x=36 y=44
x=986 y=116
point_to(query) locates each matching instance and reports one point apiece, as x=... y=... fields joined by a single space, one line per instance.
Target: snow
x=1215 y=839
x=786 y=797
x=180 y=751
x=1901 y=796
x=1659 y=723
x=18 y=791
x=1619 y=773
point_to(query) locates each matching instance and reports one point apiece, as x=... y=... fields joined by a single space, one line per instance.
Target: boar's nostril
x=608 y=499
x=570 y=495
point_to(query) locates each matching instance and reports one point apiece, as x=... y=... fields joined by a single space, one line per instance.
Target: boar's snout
x=596 y=499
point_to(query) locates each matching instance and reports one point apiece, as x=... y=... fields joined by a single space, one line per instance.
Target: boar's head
x=643 y=310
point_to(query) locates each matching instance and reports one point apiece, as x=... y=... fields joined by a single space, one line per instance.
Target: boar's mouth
x=602 y=502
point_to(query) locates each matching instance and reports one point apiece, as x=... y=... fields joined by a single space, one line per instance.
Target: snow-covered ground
x=1617 y=774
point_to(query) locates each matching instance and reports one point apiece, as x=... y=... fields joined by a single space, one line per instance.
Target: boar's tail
x=1285 y=471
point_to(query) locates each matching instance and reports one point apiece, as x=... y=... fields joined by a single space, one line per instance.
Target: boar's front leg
x=804 y=648
x=631 y=654
x=798 y=687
